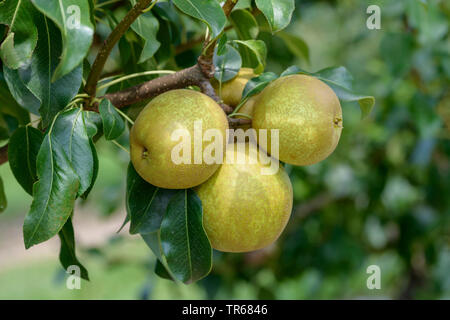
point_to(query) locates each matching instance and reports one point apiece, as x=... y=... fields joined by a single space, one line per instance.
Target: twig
x=191 y=76
x=205 y=60
x=116 y=34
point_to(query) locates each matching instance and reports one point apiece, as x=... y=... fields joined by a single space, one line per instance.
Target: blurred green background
x=382 y=198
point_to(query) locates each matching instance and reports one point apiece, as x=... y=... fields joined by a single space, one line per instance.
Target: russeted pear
x=244 y=209
x=308 y=115
x=152 y=141
x=231 y=92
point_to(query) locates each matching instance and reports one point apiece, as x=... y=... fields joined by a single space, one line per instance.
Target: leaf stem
x=134 y=75
x=241 y=115
x=125 y=116
x=120 y=146
x=97 y=67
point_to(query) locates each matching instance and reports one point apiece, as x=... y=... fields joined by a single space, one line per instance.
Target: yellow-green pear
x=245 y=208
x=308 y=115
x=170 y=121
x=231 y=92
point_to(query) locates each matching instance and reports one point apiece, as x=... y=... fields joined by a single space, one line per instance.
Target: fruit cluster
x=243 y=209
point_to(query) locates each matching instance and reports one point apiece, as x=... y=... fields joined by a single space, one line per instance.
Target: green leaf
x=146 y=26
x=22 y=36
x=183 y=239
x=257 y=84
x=3 y=200
x=146 y=204
x=113 y=124
x=93 y=122
x=296 y=45
x=243 y=4
x=161 y=271
x=69 y=131
x=67 y=254
x=53 y=194
x=23 y=149
x=244 y=24
x=221 y=45
x=9 y=106
x=37 y=77
x=73 y=20
x=20 y=92
x=153 y=241
x=290 y=70
x=227 y=65
x=208 y=11
x=258 y=51
x=277 y=12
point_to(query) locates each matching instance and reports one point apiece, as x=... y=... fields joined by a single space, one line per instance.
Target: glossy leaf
x=23 y=149
x=258 y=50
x=153 y=241
x=9 y=106
x=183 y=239
x=257 y=84
x=93 y=122
x=227 y=65
x=295 y=44
x=67 y=253
x=161 y=271
x=20 y=92
x=290 y=70
x=69 y=131
x=277 y=12
x=54 y=96
x=73 y=20
x=3 y=200
x=17 y=48
x=146 y=26
x=244 y=24
x=208 y=11
x=113 y=123
x=53 y=194
x=146 y=204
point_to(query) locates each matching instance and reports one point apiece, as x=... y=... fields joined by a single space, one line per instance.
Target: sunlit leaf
x=277 y=12
x=73 y=20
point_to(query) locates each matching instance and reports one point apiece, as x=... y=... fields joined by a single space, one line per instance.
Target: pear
x=244 y=209
x=231 y=92
x=308 y=115
x=152 y=141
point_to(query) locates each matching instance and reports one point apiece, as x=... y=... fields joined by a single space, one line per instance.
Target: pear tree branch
x=100 y=60
x=197 y=75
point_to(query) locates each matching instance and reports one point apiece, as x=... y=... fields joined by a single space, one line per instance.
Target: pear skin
x=243 y=209
x=151 y=142
x=231 y=92
x=307 y=114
